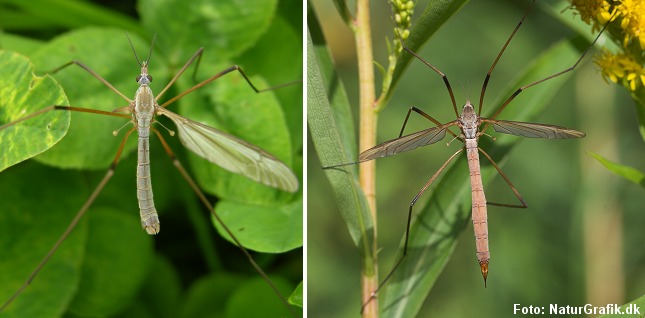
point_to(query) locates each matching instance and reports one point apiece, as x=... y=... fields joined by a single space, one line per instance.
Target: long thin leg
x=492 y=67
x=72 y=225
x=443 y=76
x=407 y=228
x=510 y=184
x=89 y=70
x=68 y=108
x=218 y=75
x=422 y=113
x=521 y=89
x=210 y=208
x=198 y=55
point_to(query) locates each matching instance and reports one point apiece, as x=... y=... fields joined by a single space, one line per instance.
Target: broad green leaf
x=29 y=229
x=624 y=171
x=256 y=292
x=50 y=15
x=24 y=93
x=226 y=295
x=208 y=296
x=231 y=26
x=267 y=229
x=280 y=64
x=161 y=292
x=434 y=232
x=18 y=44
x=110 y=279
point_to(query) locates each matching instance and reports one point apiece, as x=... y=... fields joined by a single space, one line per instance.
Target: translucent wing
x=405 y=143
x=233 y=154
x=531 y=130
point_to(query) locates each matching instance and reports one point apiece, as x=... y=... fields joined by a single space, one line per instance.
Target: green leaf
x=109 y=279
x=51 y=14
x=232 y=26
x=296 y=298
x=256 y=292
x=332 y=132
x=226 y=295
x=208 y=296
x=23 y=93
x=28 y=230
x=266 y=229
x=161 y=293
x=434 y=232
x=19 y=44
x=281 y=65
x=624 y=171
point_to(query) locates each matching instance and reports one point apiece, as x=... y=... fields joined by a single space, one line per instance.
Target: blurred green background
x=580 y=240
x=109 y=266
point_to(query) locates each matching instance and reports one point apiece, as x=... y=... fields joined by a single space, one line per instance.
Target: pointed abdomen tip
x=484 y=268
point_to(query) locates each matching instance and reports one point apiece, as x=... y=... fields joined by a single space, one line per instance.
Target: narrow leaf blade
x=624 y=171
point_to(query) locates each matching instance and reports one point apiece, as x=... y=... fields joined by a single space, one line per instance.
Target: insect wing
x=531 y=130
x=405 y=143
x=233 y=154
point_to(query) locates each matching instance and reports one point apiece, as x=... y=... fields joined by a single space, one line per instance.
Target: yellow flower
x=632 y=13
x=626 y=67
x=621 y=68
x=610 y=66
x=636 y=78
x=595 y=12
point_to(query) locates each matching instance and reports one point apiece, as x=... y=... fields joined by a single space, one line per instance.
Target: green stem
x=367 y=139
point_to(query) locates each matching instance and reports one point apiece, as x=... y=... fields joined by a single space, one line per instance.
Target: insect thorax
x=469 y=121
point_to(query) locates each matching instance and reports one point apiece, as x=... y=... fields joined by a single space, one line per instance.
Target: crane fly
x=472 y=126
x=220 y=148
x=469 y=123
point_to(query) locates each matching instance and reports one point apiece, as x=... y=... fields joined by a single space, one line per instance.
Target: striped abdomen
x=149 y=217
x=480 y=218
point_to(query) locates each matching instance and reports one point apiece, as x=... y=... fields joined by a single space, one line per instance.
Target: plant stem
x=367 y=139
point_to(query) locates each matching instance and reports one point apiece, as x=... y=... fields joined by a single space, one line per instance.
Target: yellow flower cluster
x=596 y=12
x=625 y=67
x=632 y=13
x=622 y=67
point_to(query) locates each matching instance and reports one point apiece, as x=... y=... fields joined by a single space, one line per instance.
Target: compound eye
x=149 y=78
x=138 y=78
